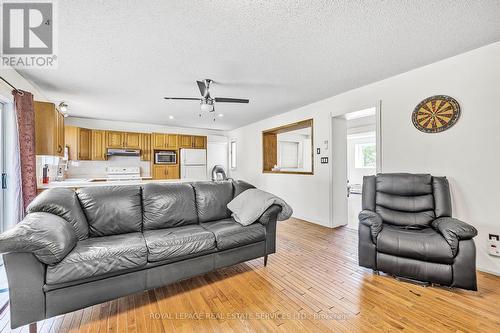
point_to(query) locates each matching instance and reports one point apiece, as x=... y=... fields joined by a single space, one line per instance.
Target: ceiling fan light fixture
x=207 y=107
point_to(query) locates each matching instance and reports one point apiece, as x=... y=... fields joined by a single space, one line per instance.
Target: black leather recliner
x=406 y=229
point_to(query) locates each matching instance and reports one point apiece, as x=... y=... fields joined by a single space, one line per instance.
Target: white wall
x=467 y=153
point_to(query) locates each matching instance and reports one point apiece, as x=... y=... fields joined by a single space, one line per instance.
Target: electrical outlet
x=494 y=245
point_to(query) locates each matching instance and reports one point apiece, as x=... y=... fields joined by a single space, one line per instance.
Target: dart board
x=436 y=114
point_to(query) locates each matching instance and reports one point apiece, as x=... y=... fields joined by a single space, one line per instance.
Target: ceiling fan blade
x=184 y=98
x=230 y=100
x=202 y=87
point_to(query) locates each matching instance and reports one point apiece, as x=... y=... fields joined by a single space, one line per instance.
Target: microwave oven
x=165 y=157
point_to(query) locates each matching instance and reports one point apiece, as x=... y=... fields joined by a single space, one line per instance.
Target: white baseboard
x=484 y=270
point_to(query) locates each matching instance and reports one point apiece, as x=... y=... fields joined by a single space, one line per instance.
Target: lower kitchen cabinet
x=162 y=171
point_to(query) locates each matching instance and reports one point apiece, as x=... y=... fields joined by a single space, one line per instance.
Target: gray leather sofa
x=406 y=229
x=76 y=249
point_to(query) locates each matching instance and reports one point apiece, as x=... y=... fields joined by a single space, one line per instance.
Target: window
x=288 y=154
x=288 y=148
x=365 y=155
x=232 y=155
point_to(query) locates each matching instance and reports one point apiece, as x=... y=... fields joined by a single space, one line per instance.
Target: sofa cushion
x=100 y=255
x=175 y=242
x=229 y=233
x=212 y=199
x=168 y=205
x=425 y=244
x=62 y=202
x=112 y=210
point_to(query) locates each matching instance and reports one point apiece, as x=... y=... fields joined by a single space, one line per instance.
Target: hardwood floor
x=313 y=283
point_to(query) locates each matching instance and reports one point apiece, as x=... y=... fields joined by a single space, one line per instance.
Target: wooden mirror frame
x=270 y=147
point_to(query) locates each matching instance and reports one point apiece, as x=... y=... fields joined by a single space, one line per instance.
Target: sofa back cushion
x=405 y=199
x=112 y=210
x=64 y=203
x=212 y=199
x=240 y=186
x=168 y=205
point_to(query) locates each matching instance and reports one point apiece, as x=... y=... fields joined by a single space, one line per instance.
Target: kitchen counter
x=91 y=182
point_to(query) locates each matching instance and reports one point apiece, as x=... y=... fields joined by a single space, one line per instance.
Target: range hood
x=123 y=152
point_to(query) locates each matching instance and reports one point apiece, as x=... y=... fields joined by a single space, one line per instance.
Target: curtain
x=25 y=113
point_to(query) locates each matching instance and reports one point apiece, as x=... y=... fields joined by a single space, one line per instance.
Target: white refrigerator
x=194 y=164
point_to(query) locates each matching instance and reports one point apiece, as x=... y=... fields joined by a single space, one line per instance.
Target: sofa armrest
x=372 y=220
x=48 y=237
x=453 y=231
x=270 y=214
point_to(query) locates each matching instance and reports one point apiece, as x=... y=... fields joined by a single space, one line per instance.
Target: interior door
x=339 y=172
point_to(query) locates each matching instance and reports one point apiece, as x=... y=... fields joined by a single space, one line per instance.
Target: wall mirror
x=289 y=149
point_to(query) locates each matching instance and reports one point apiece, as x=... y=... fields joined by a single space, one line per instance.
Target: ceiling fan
x=207 y=102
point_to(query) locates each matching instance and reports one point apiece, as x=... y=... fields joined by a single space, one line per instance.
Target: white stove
x=123 y=173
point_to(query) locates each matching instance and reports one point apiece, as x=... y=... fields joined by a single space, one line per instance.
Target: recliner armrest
x=49 y=237
x=453 y=231
x=270 y=214
x=372 y=220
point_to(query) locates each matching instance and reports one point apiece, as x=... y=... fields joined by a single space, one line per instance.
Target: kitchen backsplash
x=97 y=169
x=87 y=169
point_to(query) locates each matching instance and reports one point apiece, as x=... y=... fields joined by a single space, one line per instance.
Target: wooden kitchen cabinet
x=185 y=141
x=114 y=139
x=98 y=152
x=79 y=142
x=192 y=141
x=49 y=129
x=145 y=147
x=165 y=141
x=162 y=171
x=172 y=141
x=132 y=140
x=200 y=142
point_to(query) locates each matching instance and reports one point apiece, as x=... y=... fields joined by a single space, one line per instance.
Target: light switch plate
x=494 y=245
x=324 y=160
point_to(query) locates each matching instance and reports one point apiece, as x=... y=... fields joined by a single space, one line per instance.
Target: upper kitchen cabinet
x=145 y=147
x=49 y=129
x=115 y=139
x=200 y=142
x=98 y=152
x=132 y=140
x=79 y=142
x=165 y=141
x=185 y=141
x=192 y=141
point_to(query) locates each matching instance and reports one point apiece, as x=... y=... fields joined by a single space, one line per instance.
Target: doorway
x=356 y=152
